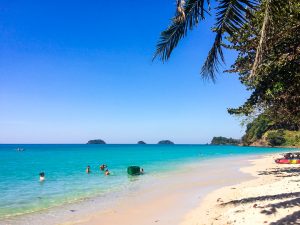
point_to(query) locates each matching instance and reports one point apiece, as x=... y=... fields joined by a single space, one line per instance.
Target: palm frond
x=211 y=64
x=188 y=15
x=230 y=16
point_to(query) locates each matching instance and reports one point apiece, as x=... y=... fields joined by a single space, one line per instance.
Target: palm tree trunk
x=262 y=41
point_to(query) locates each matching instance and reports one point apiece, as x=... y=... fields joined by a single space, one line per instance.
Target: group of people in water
x=103 y=167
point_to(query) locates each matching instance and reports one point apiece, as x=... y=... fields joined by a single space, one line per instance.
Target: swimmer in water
x=88 y=169
x=107 y=172
x=102 y=167
x=42 y=176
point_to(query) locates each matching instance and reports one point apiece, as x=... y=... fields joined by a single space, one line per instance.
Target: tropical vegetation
x=266 y=36
x=224 y=141
x=275 y=100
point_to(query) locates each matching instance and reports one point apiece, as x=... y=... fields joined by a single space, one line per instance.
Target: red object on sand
x=288 y=161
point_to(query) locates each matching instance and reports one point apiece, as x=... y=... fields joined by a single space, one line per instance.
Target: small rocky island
x=165 y=142
x=141 y=143
x=96 y=141
x=225 y=141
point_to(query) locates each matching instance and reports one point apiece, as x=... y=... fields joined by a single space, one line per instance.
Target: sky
x=71 y=71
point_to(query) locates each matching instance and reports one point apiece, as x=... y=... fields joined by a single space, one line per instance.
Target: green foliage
x=224 y=141
x=276 y=85
x=256 y=129
x=261 y=130
x=276 y=138
x=266 y=35
x=292 y=138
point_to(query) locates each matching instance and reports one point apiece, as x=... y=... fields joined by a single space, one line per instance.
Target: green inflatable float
x=133 y=170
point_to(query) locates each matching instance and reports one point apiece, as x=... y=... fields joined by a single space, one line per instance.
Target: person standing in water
x=107 y=172
x=42 y=176
x=88 y=169
x=141 y=171
x=102 y=167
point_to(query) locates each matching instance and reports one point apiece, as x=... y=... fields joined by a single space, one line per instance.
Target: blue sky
x=70 y=72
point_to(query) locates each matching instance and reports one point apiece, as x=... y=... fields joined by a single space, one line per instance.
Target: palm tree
x=230 y=16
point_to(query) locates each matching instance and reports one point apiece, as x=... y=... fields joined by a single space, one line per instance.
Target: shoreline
x=166 y=198
x=167 y=201
x=269 y=146
x=171 y=198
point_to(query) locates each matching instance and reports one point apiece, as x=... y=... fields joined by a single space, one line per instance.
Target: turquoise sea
x=66 y=180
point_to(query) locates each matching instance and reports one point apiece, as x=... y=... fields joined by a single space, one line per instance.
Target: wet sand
x=169 y=199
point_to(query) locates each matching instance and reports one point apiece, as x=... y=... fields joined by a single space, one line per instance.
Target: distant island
x=141 y=143
x=225 y=141
x=96 y=141
x=165 y=142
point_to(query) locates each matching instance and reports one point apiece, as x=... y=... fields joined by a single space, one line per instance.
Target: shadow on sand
x=262 y=198
x=281 y=172
x=287 y=200
x=285 y=204
x=291 y=219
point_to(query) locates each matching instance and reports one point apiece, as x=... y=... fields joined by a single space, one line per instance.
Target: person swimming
x=102 y=167
x=107 y=172
x=88 y=169
x=42 y=176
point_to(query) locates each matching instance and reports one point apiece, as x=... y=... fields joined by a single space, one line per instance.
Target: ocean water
x=66 y=180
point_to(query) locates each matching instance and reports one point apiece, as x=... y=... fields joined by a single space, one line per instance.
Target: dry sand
x=273 y=197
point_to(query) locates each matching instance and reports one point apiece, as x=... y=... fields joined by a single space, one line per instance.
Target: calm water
x=66 y=180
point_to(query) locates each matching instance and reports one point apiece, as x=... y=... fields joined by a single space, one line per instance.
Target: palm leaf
x=230 y=16
x=192 y=12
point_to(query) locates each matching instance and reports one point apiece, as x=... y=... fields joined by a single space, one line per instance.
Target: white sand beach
x=273 y=197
